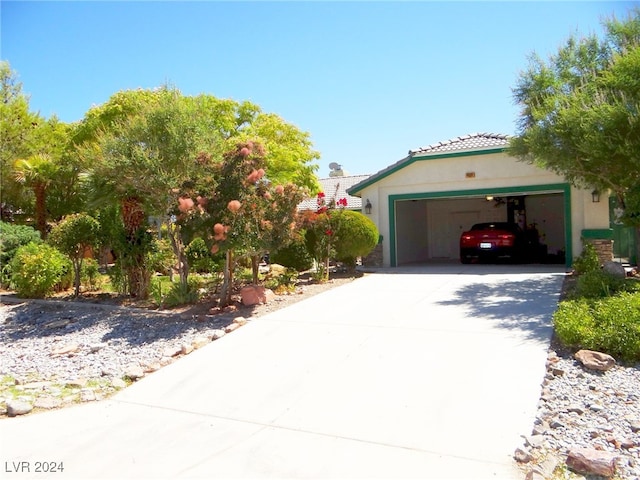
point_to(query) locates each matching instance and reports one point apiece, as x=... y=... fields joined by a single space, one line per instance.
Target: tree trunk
x=179 y=251
x=133 y=217
x=227 y=283
x=255 y=268
x=77 y=269
x=40 y=191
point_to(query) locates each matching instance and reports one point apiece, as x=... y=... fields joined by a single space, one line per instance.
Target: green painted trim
x=597 y=233
x=563 y=188
x=405 y=162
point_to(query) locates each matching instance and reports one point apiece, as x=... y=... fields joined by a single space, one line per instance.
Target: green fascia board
x=597 y=233
x=563 y=188
x=405 y=162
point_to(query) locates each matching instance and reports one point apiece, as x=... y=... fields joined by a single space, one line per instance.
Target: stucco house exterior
x=422 y=203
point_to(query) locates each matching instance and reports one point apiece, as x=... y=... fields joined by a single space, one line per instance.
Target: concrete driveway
x=425 y=372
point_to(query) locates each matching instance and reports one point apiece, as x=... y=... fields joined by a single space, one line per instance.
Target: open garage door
x=428 y=229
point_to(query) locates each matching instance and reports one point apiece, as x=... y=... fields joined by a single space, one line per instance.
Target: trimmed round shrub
x=294 y=256
x=36 y=270
x=356 y=236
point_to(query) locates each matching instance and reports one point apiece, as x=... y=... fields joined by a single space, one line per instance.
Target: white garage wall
x=412 y=232
x=546 y=212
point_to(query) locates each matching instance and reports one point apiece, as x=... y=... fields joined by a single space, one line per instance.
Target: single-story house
x=422 y=203
x=335 y=188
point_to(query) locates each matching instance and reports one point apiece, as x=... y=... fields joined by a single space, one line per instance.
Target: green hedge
x=610 y=324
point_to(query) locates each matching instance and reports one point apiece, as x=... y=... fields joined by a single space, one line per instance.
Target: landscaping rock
x=590 y=461
x=230 y=328
x=186 y=349
x=18 y=407
x=134 y=372
x=47 y=402
x=522 y=456
x=256 y=294
x=118 y=383
x=595 y=360
x=200 y=342
x=87 y=395
x=172 y=351
x=614 y=268
x=76 y=383
x=218 y=333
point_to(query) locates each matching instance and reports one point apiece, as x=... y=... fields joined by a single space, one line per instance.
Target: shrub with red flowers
x=333 y=232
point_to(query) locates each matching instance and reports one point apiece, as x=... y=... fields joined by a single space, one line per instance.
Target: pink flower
x=215 y=249
x=185 y=204
x=234 y=206
x=244 y=151
x=279 y=189
x=253 y=177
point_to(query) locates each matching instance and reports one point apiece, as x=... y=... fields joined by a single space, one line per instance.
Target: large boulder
x=595 y=360
x=256 y=294
x=615 y=269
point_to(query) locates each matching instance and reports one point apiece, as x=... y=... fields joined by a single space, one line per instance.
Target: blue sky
x=368 y=80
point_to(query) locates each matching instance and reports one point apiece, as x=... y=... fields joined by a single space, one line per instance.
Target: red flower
x=329 y=232
x=342 y=202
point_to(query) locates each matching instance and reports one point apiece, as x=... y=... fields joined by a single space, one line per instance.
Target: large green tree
x=26 y=140
x=580 y=112
x=139 y=159
x=17 y=125
x=145 y=149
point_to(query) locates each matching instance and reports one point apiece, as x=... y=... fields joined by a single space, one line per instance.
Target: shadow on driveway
x=515 y=304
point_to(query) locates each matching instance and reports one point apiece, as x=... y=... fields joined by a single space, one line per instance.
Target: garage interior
x=428 y=229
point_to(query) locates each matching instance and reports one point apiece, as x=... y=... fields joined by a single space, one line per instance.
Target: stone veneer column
x=602 y=240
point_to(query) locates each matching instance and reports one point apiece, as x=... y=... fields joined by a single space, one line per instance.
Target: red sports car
x=493 y=240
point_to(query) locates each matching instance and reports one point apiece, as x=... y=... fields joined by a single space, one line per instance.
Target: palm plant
x=37 y=172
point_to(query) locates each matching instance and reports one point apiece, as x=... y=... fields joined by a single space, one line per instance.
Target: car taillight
x=506 y=239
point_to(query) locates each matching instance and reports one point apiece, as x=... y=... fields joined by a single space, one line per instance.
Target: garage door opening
x=428 y=229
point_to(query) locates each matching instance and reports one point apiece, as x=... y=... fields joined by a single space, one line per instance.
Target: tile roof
x=335 y=188
x=469 y=143
x=474 y=141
